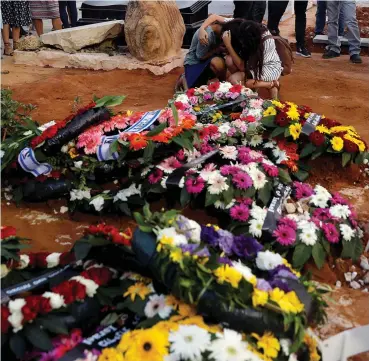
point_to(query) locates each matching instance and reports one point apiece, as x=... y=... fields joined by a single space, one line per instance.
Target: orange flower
x=188 y=123
x=137 y=141
x=161 y=138
x=235 y=116
x=174 y=131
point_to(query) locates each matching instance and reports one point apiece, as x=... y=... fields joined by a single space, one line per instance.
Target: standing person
x=65 y=8
x=45 y=10
x=249 y=10
x=333 y=49
x=321 y=15
x=276 y=10
x=15 y=14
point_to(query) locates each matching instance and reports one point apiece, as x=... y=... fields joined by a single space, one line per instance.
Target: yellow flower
x=172 y=301
x=228 y=274
x=337 y=143
x=259 y=297
x=166 y=326
x=218 y=115
x=323 y=129
x=269 y=111
x=217 y=228
x=164 y=241
x=268 y=343
x=196 y=109
x=148 y=344
x=186 y=310
x=295 y=305
x=252 y=280
x=129 y=112
x=73 y=153
x=296 y=273
x=312 y=346
x=358 y=142
x=342 y=128
x=295 y=130
x=138 y=289
x=110 y=354
x=278 y=104
x=307 y=115
x=176 y=255
x=199 y=321
x=293 y=113
x=126 y=340
x=288 y=302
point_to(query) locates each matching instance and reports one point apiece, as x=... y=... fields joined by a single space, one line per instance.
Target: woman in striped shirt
x=253 y=59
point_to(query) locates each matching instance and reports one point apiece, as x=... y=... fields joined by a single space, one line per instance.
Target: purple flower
x=282 y=271
x=195 y=249
x=263 y=285
x=207 y=96
x=331 y=233
x=285 y=235
x=302 y=190
x=242 y=180
x=244 y=246
x=209 y=235
x=225 y=260
x=240 y=212
x=281 y=284
x=225 y=241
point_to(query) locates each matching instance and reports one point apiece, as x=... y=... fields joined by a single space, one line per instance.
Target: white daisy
x=183 y=98
x=258 y=178
x=322 y=191
x=340 y=211
x=221 y=205
x=347 y=232
x=280 y=155
x=208 y=171
x=230 y=347
x=258 y=212
x=267 y=260
x=157 y=306
x=256 y=140
x=218 y=184
x=229 y=152
x=256 y=227
x=244 y=270
x=271 y=144
x=189 y=342
x=319 y=200
x=98 y=203
x=308 y=237
x=78 y=164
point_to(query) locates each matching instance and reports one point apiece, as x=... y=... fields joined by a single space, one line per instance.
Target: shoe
x=321 y=33
x=356 y=59
x=302 y=51
x=329 y=54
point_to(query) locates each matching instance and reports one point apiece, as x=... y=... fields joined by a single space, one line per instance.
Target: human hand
x=227 y=38
x=203 y=37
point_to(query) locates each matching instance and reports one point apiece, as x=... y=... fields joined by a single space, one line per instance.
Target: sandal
x=15 y=45
x=8 y=50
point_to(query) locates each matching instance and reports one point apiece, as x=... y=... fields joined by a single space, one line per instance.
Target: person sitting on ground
x=253 y=59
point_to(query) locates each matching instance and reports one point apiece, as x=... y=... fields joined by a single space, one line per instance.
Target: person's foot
x=356 y=59
x=302 y=51
x=330 y=54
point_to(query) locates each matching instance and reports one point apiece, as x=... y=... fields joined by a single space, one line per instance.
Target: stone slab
x=93 y=61
x=323 y=39
x=73 y=39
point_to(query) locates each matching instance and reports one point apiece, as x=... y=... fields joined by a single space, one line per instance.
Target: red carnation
x=41 y=178
x=281 y=119
x=329 y=123
x=41 y=259
x=236 y=88
x=100 y=275
x=180 y=105
x=65 y=289
x=317 y=138
x=45 y=305
x=349 y=146
x=55 y=174
x=7 y=231
x=190 y=92
x=31 y=308
x=66 y=258
x=249 y=119
x=213 y=87
x=5 y=313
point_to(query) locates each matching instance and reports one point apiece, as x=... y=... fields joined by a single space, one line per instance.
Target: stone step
x=323 y=39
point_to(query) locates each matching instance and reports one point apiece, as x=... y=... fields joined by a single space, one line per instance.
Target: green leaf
x=326 y=246
x=284 y=176
x=146 y=210
x=228 y=195
x=81 y=250
x=287 y=132
x=301 y=255
x=184 y=197
x=109 y=319
x=317 y=153
x=210 y=199
x=308 y=149
x=276 y=132
x=319 y=254
x=114 y=147
x=265 y=193
x=357 y=249
x=175 y=113
x=96 y=240
x=139 y=219
x=158 y=129
x=110 y=101
x=352 y=249
x=54 y=324
x=183 y=142
x=17 y=344
x=346 y=157
x=359 y=159
x=38 y=337
x=301 y=175
x=149 y=151
x=268 y=121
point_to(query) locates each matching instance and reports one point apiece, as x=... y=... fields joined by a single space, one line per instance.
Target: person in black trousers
x=72 y=10
x=249 y=10
x=276 y=10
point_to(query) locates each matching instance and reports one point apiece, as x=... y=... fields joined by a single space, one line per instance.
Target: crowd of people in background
x=18 y=14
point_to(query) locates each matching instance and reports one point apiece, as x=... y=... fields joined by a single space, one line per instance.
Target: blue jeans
x=321 y=13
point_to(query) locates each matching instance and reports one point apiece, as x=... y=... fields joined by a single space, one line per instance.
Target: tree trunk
x=154 y=30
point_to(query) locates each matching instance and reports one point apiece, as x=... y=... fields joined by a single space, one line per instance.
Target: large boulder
x=73 y=39
x=154 y=30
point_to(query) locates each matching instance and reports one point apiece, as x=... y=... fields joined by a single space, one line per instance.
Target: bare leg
x=230 y=65
x=57 y=24
x=39 y=26
x=217 y=65
x=7 y=46
x=237 y=78
x=16 y=34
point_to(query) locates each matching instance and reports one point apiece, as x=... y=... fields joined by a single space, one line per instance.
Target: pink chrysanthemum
x=195 y=185
x=240 y=212
x=228 y=170
x=206 y=148
x=242 y=180
x=331 y=233
x=338 y=199
x=270 y=169
x=288 y=222
x=170 y=164
x=156 y=176
x=285 y=235
x=322 y=214
x=302 y=190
